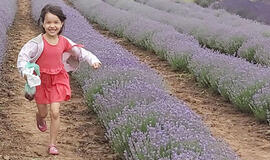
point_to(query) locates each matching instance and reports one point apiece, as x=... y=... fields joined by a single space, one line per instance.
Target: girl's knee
x=55 y=110
x=43 y=115
x=55 y=115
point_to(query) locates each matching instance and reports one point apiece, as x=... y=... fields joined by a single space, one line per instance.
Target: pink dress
x=55 y=85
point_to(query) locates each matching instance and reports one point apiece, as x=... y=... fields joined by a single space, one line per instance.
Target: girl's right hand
x=29 y=97
x=96 y=65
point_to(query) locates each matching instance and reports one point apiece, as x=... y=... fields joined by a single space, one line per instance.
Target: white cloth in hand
x=32 y=80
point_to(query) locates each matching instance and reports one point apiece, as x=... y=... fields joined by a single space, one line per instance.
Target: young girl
x=55 y=55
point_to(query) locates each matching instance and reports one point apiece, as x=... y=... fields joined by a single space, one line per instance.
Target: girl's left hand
x=96 y=65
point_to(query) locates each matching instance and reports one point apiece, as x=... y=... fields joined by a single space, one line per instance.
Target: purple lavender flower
x=256 y=50
x=159 y=130
x=6 y=18
x=262 y=102
x=234 y=78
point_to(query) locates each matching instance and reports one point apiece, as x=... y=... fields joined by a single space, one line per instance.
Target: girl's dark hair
x=55 y=10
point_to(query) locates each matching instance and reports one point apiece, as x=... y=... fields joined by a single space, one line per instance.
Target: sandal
x=53 y=150
x=41 y=125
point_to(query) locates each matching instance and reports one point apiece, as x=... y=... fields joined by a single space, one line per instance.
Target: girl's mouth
x=52 y=30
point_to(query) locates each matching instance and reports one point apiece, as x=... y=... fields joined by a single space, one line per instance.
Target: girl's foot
x=41 y=124
x=53 y=150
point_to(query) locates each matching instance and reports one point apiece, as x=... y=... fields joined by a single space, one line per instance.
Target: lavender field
x=241 y=82
x=226 y=33
x=236 y=79
x=6 y=18
x=142 y=120
x=179 y=81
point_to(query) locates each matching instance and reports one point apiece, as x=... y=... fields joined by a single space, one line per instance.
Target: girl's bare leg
x=55 y=122
x=42 y=111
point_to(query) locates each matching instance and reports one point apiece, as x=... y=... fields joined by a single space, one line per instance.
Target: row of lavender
x=6 y=18
x=208 y=34
x=243 y=83
x=214 y=29
x=255 y=48
x=141 y=119
x=191 y=10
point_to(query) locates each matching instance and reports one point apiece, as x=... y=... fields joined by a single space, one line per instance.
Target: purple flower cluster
x=235 y=79
x=262 y=102
x=256 y=50
x=130 y=99
x=8 y=9
x=166 y=142
x=156 y=125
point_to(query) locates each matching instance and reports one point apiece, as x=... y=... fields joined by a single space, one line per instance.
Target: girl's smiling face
x=52 y=24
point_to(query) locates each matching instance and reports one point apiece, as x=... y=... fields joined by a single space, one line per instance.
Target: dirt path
x=248 y=138
x=81 y=136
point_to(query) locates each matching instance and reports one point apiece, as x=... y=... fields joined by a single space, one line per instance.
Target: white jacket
x=32 y=50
